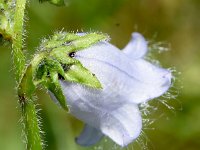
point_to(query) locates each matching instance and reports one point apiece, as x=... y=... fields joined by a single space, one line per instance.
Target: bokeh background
x=167 y=24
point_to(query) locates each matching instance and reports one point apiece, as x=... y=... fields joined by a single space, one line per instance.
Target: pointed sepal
x=54 y=87
x=78 y=73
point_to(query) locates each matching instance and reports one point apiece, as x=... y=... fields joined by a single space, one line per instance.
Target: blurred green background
x=175 y=23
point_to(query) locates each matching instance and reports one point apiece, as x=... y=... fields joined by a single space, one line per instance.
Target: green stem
x=29 y=112
x=31 y=124
x=18 y=56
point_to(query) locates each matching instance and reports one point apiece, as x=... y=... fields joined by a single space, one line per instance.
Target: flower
x=127 y=80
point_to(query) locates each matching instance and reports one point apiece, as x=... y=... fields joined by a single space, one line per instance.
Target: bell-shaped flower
x=127 y=80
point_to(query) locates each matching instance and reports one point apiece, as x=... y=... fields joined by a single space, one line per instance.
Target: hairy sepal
x=78 y=73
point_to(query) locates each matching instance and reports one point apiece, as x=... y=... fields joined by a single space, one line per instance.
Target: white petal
x=152 y=81
x=109 y=98
x=122 y=125
x=79 y=106
x=110 y=66
x=137 y=47
x=89 y=136
x=134 y=80
x=81 y=34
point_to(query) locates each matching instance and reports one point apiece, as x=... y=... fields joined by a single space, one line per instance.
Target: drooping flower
x=127 y=80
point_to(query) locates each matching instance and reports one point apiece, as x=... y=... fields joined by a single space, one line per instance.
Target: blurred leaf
x=54 y=2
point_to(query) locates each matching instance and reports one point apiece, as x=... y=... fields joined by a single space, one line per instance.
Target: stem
x=18 y=56
x=29 y=113
x=31 y=122
x=31 y=125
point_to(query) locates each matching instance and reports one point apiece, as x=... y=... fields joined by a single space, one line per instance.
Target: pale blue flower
x=127 y=80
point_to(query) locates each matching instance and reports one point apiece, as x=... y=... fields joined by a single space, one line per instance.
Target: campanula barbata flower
x=127 y=80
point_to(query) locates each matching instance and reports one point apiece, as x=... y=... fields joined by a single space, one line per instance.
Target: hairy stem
x=29 y=112
x=31 y=122
x=18 y=55
x=31 y=125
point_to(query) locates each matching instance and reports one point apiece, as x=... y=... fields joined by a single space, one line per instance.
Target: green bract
x=55 y=61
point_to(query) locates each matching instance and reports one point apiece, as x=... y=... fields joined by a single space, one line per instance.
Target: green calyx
x=55 y=61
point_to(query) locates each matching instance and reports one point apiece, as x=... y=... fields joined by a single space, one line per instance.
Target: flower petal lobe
x=152 y=81
x=122 y=125
x=89 y=136
x=137 y=47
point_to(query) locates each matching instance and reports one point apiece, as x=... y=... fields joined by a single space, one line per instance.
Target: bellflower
x=127 y=80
